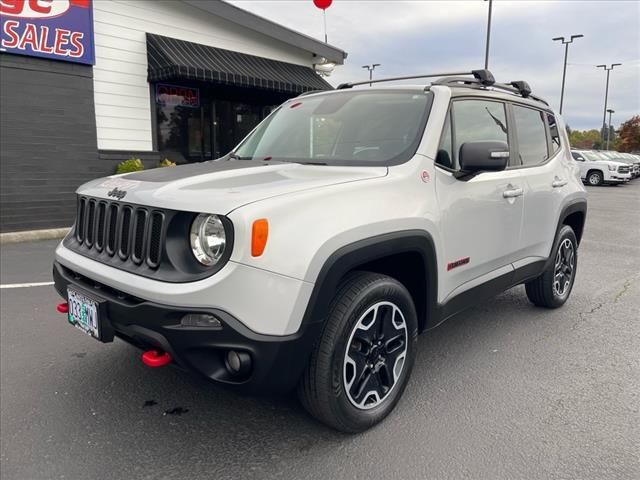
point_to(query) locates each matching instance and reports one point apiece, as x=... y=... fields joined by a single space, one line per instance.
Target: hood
x=221 y=186
x=617 y=163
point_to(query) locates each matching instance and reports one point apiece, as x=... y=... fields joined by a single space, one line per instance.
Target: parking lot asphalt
x=502 y=391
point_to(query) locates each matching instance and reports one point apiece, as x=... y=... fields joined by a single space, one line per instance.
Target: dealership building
x=86 y=84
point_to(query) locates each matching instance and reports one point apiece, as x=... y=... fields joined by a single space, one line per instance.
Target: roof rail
x=310 y=92
x=483 y=77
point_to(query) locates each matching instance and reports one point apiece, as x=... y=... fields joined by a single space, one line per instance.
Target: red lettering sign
x=174 y=95
x=61 y=29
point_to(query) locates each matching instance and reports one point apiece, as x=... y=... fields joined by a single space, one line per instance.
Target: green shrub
x=131 y=165
x=167 y=163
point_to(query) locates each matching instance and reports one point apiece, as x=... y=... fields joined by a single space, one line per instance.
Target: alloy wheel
x=375 y=355
x=564 y=268
x=594 y=179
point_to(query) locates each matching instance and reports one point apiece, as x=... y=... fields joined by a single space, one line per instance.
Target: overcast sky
x=409 y=37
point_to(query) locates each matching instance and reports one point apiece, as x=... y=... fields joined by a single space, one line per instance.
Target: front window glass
x=342 y=128
x=445 y=155
x=478 y=120
x=553 y=131
x=532 y=138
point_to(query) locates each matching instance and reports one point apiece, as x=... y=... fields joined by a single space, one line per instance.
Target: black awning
x=171 y=59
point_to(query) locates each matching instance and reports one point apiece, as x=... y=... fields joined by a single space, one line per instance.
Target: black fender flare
x=349 y=257
x=577 y=206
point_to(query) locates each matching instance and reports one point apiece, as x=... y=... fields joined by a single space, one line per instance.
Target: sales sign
x=176 y=96
x=57 y=29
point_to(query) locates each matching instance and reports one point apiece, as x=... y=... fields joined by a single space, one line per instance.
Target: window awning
x=172 y=59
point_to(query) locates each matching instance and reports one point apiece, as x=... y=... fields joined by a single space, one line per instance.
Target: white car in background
x=632 y=160
x=597 y=169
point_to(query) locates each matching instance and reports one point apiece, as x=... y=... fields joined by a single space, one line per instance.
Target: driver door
x=481 y=216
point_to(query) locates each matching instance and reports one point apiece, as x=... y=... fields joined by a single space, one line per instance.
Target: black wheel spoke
x=385 y=313
x=369 y=382
x=391 y=329
x=385 y=377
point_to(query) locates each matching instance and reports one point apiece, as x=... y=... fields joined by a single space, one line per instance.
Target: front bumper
x=277 y=362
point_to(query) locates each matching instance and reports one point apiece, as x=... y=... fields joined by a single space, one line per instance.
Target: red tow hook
x=154 y=358
x=62 y=308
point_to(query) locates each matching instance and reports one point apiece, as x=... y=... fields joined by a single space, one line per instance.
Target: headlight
x=612 y=168
x=208 y=239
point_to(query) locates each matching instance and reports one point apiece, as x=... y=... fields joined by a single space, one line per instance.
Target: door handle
x=558 y=182
x=512 y=193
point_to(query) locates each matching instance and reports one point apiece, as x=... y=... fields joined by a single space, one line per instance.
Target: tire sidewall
x=386 y=289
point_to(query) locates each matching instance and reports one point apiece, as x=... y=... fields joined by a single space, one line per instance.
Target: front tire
x=361 y=365
x=595 y=178
x=553 y=287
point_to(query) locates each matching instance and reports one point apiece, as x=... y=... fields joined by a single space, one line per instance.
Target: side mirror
x=580 y=159
x=484 y=156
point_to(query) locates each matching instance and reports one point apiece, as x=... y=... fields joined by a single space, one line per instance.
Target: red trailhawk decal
x=457 y=263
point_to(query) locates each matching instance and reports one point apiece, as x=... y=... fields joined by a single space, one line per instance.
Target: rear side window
x=478 y=120
x=553 y=133
x=532 y=138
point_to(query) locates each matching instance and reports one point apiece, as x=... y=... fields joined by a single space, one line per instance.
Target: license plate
x=83 y=313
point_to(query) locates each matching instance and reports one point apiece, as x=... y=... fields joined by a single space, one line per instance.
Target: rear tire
x=553 y=287
x=595 y=178
x=360 y=367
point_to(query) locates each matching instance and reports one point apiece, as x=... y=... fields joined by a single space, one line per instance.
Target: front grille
x=147 y=241
x=131 y=232
x=623 y=169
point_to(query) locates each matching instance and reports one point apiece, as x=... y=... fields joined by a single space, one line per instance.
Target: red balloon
x=322 y=4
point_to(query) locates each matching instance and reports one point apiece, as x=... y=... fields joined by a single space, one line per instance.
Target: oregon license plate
x=83 y=313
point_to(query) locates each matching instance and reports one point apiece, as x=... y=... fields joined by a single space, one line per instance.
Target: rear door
x=481 y=216
x=546 y=176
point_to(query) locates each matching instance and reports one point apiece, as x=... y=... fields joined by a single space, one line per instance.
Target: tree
x=629 y=135
x=586 y=139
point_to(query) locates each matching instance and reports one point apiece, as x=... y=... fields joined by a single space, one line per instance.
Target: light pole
x=610 y=111
x=606 y=95
x=486 y=51
x=566 y=43
x=371 y=68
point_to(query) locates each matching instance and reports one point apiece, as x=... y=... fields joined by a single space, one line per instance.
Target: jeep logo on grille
x=117 y=193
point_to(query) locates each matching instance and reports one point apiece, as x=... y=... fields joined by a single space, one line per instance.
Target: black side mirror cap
x=485 y=156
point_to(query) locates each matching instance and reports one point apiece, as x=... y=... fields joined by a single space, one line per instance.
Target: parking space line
x=25 y=285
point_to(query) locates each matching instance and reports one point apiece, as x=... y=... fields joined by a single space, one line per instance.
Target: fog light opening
x=201 y=320
x=238 y=363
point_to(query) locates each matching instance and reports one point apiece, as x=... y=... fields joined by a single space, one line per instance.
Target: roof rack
x=482 y=76
x=480 y=79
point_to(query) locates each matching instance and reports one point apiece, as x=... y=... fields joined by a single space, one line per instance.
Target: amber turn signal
x=259 y=236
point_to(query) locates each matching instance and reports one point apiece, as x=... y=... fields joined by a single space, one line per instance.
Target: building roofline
x=267 y=27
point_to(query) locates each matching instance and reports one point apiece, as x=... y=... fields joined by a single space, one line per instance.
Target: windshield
x=342 y=128
x=594 y=156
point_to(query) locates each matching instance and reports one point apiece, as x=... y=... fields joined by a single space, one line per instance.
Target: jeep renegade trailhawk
x=345 y=224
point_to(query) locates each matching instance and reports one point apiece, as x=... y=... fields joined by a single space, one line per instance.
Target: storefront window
x=193 y=125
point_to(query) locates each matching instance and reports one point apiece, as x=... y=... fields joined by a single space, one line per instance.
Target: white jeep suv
x=598 y=169
x=344 y=225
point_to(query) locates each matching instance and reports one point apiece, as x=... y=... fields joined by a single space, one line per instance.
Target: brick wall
x=47 y=141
